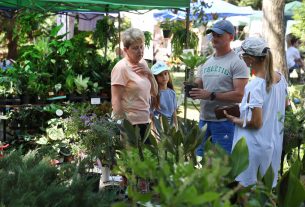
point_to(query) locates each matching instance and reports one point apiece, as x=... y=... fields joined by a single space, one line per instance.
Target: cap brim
x=216 y=30
x=160 y=70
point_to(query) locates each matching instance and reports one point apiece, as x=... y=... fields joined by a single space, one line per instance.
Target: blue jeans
x=222 y=133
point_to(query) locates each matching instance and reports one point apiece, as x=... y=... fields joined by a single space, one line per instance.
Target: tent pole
x=106 y=43
x=187 y=27
x=66 y=25
x=119 y=28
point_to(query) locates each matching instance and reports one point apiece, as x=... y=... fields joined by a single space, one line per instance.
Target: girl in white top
x=262 y=113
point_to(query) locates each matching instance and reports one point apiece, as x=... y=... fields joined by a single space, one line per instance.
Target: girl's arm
x=256 y=121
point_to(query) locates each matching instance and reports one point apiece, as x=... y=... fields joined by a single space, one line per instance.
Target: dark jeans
x=296 y=66
x=143 y=128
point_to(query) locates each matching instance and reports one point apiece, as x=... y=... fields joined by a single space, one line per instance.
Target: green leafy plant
x=192 y=61
x=166 y=25
x=148 y=38
x=180 y=41
x=81 y=84
x=102 y=140
x=106 y=33
x=35 y=182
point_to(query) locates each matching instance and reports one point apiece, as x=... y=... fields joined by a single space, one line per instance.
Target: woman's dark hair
x=293 y=40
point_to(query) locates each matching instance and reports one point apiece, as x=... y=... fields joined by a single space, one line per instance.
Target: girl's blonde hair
x=269 y=70
x=155 y=101
x=268 y=63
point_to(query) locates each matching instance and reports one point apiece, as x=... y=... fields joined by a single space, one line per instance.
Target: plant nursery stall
x=58 y=137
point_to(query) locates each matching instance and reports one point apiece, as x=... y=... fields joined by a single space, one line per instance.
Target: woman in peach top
x=132 y=83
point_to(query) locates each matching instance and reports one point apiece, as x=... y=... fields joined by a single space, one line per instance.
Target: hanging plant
x=148 y=38
x=179 y=41
x=106 y=33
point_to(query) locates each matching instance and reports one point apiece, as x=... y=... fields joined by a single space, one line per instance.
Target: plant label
x=95 y=100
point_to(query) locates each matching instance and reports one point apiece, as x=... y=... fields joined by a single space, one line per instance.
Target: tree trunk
x=12 y=42
x=274 y=32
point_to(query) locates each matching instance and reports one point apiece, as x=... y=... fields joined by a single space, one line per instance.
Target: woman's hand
x=139 y=69
x=233 y=119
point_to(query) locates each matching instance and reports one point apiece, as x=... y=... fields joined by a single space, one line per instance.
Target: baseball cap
x=255 y=46
x=158 y=67
x=221 y=27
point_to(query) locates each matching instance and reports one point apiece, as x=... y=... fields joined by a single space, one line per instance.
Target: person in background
x=221 y=81
x=262 y=113
x=165 y=103
x=132 y=83
x=293 y=57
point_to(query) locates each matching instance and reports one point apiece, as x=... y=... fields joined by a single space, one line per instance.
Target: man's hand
x=198 y=93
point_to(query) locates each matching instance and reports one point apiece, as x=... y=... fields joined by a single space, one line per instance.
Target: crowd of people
x=142 y=95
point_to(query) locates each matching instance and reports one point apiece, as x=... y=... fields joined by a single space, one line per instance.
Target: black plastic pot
x=28 y=99
x=188 y=87
x=94 y=179
x=9 y=101
x=77 y=98
x=167 y=33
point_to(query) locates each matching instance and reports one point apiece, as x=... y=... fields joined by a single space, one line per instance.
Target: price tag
x=95 y=100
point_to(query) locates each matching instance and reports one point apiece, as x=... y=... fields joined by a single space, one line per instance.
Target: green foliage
x=255 y=4
x=102 y=140
x=299 y=16
x=7 y=86
x=167 y=24
x=81 y=84
x=173 y=171
x=178 y=183
x=294 y=131
x=290 y=190
x=240 y=163
x=29 y=25
x=106 y=33
x=148 y=38
x=192 y=60
x=180 y=40
x=28 y=180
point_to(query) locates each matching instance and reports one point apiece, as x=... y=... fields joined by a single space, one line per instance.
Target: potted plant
x=106 y=33
x=148 y=38
x=180 y=39
x=191 y=61
x=79 y=85
x=101 y=142
x=166 y=27
x=8 y=91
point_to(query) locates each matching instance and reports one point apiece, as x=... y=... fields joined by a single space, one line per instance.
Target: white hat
x=255 y=46
x=158 y=68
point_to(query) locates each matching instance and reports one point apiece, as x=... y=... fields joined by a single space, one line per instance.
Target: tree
x=274 y=31
x=7 y=22
x=255 y=4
